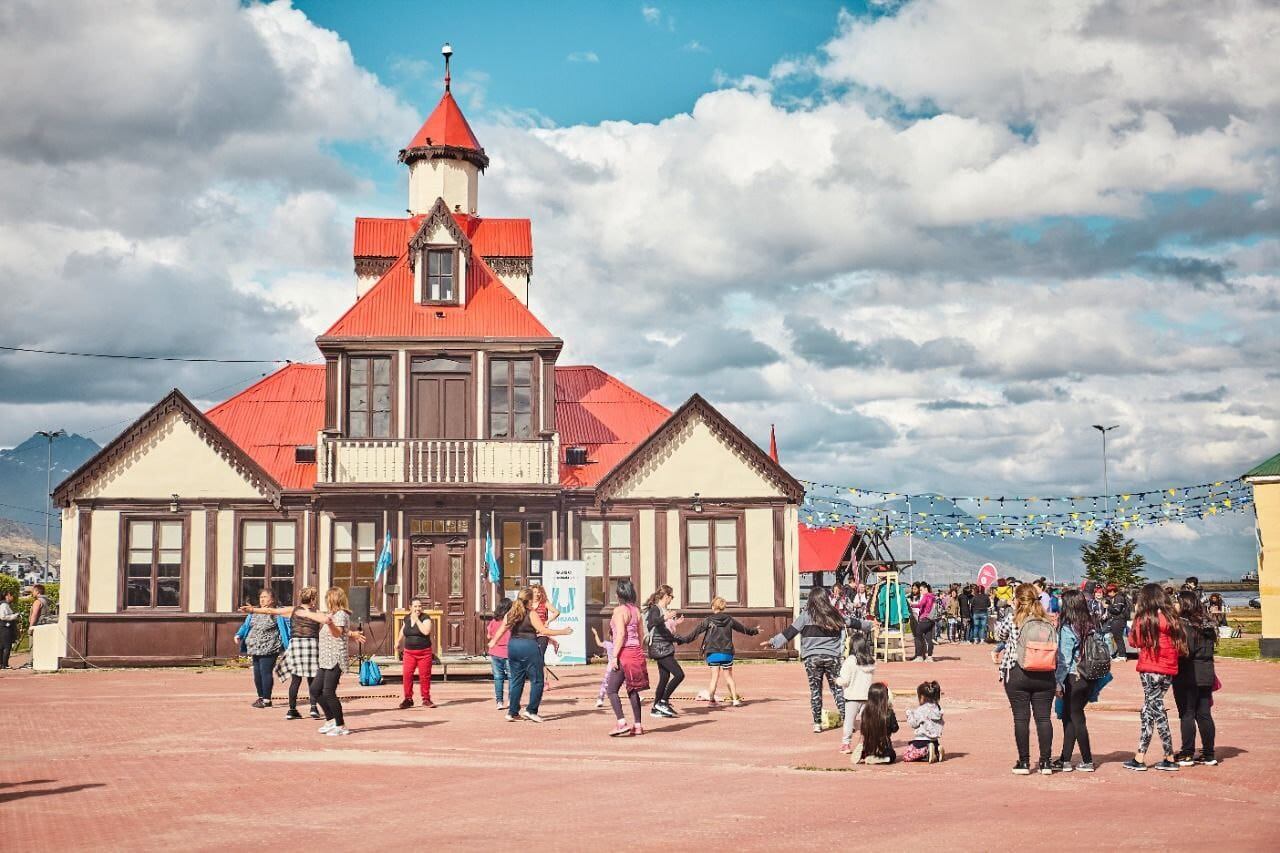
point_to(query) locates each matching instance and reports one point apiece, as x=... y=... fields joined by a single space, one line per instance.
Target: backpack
x=939 y=611
x=1037 y=646
x=1095 y=657
x=370 y=673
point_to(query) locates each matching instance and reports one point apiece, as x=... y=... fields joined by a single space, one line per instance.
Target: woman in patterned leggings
x=1159 y=637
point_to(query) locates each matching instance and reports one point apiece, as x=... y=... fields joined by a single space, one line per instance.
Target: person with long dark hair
x=1075 y=623
x=1159 y=637
x=879 y=725
x=1030 y=693
x=925 y=623
x=821 y=631
x=627 y=664
x=522 y=627
x=1193 y=685
x=658 y=621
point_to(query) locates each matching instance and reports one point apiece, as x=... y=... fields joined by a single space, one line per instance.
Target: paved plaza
x=176 y=759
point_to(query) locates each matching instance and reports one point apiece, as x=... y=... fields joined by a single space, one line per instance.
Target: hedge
x=22 y=604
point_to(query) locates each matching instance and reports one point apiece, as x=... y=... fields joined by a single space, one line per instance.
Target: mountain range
x=24 y=483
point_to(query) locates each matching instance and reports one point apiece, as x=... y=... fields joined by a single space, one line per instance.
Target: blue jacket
x=1068 y=654
x=282 y=625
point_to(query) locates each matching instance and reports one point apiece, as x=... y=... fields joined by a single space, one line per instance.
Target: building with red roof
x=440 y=420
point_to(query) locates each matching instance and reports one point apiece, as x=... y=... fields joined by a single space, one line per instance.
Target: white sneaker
x=599 y=702
x=532 y=717
x=928 y=660
x=817 y=728
x=329 y=726
x=737 y=703
x=337 y=731
x=509 y=718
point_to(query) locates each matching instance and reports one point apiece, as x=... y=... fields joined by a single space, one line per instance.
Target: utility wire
x=150 y=357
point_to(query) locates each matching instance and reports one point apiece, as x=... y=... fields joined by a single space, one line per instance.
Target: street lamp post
x=1106 y=488
x=48 y=498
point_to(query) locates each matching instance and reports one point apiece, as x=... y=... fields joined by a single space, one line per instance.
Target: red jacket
x=1165 y=660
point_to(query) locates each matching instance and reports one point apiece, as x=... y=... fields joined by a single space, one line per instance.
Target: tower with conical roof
x=444 y=157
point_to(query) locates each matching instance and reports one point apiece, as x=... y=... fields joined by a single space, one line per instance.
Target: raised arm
x=543 y=630
x=273 y=611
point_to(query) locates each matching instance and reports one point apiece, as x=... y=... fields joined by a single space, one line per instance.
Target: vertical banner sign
x=986 y=576
x=566 y=583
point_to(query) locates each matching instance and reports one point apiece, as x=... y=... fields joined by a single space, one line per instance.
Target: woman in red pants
x=415 y=634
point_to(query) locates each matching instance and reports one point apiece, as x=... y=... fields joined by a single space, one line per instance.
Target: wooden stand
x=890 y=640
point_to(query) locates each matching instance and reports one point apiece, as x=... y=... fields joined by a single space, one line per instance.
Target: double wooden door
x=441 y=405
x=441 y=579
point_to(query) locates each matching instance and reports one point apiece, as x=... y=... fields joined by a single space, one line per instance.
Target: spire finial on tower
x=447 y=50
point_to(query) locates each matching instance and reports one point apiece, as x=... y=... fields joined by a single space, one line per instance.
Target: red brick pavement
x=151 y=759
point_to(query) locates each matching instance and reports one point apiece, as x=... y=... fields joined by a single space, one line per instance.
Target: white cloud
x=583 y=56
x=696 y=46
x=651 y=14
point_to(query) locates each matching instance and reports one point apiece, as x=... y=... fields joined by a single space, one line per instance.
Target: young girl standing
x=717 y=647
x=1076 y=623
x=926 y=721
x=855 y=679
x=879 y=725
x=821 y=632
x=627 y=662
x=607 y=645
x=659 y=621
x=498 y=653
x=1159 y=637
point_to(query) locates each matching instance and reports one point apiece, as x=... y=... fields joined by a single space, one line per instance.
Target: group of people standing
x=1039 y=662
x=42 y=612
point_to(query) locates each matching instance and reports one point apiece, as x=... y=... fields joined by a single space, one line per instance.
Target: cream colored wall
x=455 y=181
x=791 y=524
x=1266 y=498
x=195 y=566
x=364 y=283
x=226 y=560
x=759 y=558
x=674 y=578
x=517 y=283
x=70 y=557
x=325 y=522
x=697 y=461
x=173 y=459
x=648 y=553
x=104 y=561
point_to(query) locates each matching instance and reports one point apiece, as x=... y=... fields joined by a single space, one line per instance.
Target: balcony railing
x=431 y=461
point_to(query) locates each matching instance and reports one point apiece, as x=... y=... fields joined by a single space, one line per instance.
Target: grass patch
x=1240 y=649
x=815 y=769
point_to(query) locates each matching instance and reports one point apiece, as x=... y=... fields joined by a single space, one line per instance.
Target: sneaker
x=929 y=659
x=510 y=719
x=327 y=727
x=1045 y=768
x=737 y=703
x=846 y=749
x=532 y=717
x=1059 y=765
x=1135 y=765
x=671 y=712
x=258 y=703
x=1021 y=769
x=661 y=711
x=407 y=703
x=1167 y=765
x=877 y=759
x=599 y=702
x=314 y=713
x=621 y=729
x=338 y=731
x=1207 y=760
x=856 y=755
x=501 y=707
x=292 y=714
x=817 y=728
x=1184 y=760
x=266 y=703
x=637 y=729
x=1085 y=767
x=427 y=703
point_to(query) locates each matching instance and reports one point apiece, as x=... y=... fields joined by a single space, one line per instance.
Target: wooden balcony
x=435 y=462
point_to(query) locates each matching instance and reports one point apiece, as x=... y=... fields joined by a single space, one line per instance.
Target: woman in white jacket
x=856 y=675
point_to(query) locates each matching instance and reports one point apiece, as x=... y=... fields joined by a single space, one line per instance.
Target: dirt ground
x=151 y=759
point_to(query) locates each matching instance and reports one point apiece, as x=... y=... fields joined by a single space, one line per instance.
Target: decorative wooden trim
x=445 y=152
x=440 y=215
x=174 y=402
x=779 y=557
x=369 y=265
x=84 y=530
x=750 y=453
x=660 y=542
x=211 y=558
x=184 y=571
x=510 y=265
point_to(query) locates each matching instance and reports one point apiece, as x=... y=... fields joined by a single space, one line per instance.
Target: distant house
x=440 y=418
x=1265 y=480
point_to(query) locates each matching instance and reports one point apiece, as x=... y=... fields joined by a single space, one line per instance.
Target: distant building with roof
x=1265 y=480
x=440 y=417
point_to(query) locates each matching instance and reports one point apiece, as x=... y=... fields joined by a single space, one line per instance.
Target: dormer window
x=441 y=272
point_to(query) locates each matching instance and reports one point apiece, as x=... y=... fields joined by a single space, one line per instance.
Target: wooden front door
x=442 y=581
x=441 y=406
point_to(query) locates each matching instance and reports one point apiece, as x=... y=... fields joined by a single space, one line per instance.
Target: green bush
x=22 y=604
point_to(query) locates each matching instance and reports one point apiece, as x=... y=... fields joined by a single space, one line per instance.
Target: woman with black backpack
x=1077 y=675
x=1027 y=670
x=1193 y=685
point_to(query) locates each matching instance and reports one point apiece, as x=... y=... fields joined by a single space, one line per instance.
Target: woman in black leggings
x=662 y=648
x=1030 y=693
x=1075 y=625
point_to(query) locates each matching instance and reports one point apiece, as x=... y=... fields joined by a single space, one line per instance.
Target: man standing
x=41 y=607
x=1118 y=609
x=981 y=604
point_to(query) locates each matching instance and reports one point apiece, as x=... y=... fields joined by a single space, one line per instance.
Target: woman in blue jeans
x=522 y=627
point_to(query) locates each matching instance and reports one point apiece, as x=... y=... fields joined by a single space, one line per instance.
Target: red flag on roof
x=773 y=443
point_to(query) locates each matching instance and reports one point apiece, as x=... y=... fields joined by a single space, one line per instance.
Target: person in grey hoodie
x=926 y=722
x=820 y=628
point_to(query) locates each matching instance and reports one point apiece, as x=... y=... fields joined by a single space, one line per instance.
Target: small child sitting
x=926 y=721
x=878 y=725
x=856 y=675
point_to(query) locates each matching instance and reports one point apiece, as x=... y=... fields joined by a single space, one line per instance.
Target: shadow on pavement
x=45 y=792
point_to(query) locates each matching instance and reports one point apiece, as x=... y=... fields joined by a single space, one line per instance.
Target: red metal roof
x=388 y=310
x=272 y=417
x=446 y=126
x=491 y=238
x=822 y=548
x=609 y=418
